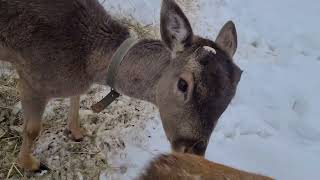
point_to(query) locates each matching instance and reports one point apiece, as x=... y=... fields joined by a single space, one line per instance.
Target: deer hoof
x=76 y=136
x=42 y=169
x=32 y=165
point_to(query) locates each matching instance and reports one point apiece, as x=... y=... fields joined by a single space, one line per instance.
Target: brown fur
x=191 y=167
x=60 y=48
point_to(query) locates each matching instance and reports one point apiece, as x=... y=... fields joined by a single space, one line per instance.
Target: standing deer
x=61 y=47
x=190 y=167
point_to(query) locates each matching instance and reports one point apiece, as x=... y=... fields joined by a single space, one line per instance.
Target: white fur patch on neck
x=210 y=49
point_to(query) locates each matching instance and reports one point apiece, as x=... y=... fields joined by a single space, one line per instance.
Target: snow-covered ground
x=273 y=125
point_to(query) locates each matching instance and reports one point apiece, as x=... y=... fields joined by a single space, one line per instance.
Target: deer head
x=199 y=83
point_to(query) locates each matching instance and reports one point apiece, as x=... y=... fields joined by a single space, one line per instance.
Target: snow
x=272 y=126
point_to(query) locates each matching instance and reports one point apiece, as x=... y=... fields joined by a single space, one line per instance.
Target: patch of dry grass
x=10 y=119
x=141 y=30
x=74 y=158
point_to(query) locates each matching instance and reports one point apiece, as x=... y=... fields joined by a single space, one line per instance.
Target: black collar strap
x=116 y=60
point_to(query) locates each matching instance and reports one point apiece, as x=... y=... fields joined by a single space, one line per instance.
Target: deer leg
x=33 y=107
x=73 y=119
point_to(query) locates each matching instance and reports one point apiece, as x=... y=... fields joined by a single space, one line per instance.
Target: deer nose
x=192 y=147
x=200 y=148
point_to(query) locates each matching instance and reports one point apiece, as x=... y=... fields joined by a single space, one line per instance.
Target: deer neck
x=105 y=39
x=140 y=70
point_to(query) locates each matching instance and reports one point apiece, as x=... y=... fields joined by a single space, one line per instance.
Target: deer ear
x=227 y=38
x=175 y=28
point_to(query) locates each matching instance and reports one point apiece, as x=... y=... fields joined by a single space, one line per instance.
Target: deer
x=179 y=166
x=60 y=48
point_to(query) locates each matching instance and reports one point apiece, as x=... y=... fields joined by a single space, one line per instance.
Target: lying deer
x=60 y=48
x=190 y=167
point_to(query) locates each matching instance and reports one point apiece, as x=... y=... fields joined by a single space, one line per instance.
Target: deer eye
x=182 y=85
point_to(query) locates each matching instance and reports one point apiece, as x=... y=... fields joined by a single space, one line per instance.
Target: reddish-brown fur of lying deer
x=61 y=47
x=191 y=167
